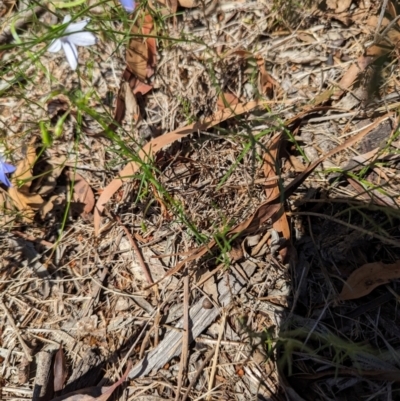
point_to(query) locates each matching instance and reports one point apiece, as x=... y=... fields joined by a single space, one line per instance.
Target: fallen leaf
x=189 y=3
x=306 y=37
x=142 y=51
x=141 y=88
x=137 y=56
x=296 y=164
x=383 y=45
x=60 y=370
x=338 y=5
x=5 y=210
x=351 y=75
x=272 y=188
x=94 y=393
x=366 y=278
x=23 y=171
x=132 y=110
x=210 y=288
x=23 y=200
x=323 y=97
x=83 y=194
x=226 y=99
x=266 y=83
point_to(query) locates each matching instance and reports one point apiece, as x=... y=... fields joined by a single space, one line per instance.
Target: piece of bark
x=43 y=387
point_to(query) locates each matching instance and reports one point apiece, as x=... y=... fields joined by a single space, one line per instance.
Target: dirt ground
x=207 y=208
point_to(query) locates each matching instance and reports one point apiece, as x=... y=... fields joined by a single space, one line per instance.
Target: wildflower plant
x=73 y=36
x=5 y=168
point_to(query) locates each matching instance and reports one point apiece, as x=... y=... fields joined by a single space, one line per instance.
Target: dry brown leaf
x=272 y=190
x=189 y=3
x=47 y=181
x=366 y=278
x=23 y=171
x=142 y=88
x=384 y=44
x=5 y=208
x=60 y=370
x=338 y=5
x=210 y=288
x=270 y=166
x=296 y=164
x=266 y=83
x=22 y=199
x=226 y=99
x=142 y=51
x=95 y=393
x=351 y=74
x=136 y=56
x=83 y=193
x=147 y=29
x=132 y=110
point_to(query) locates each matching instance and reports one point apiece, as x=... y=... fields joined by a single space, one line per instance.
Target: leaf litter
x=233 y=180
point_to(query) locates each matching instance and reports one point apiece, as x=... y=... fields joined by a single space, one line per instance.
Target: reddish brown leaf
x=142 y=51
x=226 y=99
x=271 y=158
x=266 y=83
x=83 y=193
x=60 y=370
x=366 y=278
x=137 y=56
x=142 y=88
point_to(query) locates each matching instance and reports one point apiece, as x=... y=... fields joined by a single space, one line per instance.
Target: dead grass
x=258 y=316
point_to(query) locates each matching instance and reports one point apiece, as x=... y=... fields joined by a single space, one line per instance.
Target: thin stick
x=185 y=337
x=199 y=371
x=25 y=348
x=378 y=27
x=215 y=361
x=137 y=250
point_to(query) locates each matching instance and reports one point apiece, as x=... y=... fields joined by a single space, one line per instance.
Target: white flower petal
x=55 y=46
x=82 y=39
x=66 y=19
x=77 y=26
x=71 y=53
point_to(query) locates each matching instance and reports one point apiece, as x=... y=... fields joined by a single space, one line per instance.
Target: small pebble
x=207 y=304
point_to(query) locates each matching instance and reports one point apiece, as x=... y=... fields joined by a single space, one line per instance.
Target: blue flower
x=129 y=5
x=74 y=36
x=5 y=168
